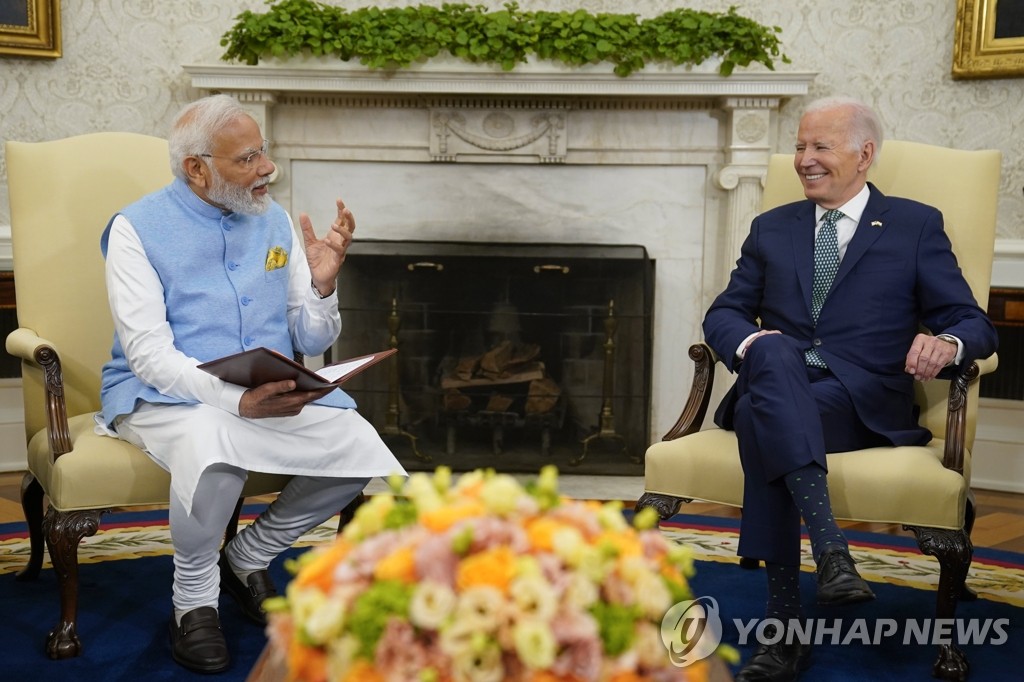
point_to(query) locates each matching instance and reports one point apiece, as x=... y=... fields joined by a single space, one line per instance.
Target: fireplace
x=510 y=355
x=668 y=159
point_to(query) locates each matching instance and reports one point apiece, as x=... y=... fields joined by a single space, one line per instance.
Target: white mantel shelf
x=454 y=77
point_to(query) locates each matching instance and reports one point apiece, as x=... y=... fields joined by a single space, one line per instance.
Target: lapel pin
x=876 y=223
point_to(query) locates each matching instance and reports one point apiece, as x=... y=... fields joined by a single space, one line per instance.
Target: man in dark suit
x=822 y=321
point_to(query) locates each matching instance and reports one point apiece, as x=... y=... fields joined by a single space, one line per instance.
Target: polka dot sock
x=783 y=592
x=809 y=488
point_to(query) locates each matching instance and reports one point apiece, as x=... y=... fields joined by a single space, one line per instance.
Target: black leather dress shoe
x=250 y=595
x=779 y=662
x=839 y=582
x=198 y=643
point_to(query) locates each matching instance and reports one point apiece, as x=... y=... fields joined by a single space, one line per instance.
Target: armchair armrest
x=26 y=344
x=692 y=416
x=956 y=410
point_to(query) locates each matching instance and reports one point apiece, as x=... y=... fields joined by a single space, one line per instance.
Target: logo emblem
x=691 y=630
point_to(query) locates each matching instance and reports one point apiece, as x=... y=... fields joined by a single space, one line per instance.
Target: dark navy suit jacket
x=899 y=273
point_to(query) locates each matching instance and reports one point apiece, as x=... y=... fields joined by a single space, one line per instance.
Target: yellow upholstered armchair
x=927 y=488
x=62 y=195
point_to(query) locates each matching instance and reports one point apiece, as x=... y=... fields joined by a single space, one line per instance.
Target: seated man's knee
x=772 y=347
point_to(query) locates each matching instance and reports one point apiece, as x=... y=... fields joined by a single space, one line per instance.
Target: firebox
x=510 y=356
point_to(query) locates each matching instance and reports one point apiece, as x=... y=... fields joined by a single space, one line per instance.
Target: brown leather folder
x=258 y=366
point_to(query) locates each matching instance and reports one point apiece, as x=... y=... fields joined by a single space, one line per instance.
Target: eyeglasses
x=248 y=160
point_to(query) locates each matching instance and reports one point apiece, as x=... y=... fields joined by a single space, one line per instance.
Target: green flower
x=616 y=624
x=372 y=609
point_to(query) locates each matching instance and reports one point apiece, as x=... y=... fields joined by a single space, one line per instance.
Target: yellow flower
x=535 y=643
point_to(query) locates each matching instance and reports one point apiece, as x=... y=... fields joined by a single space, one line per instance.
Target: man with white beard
x=207 y=267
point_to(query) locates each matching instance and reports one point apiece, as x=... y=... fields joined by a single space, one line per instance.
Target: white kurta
x=186 y=439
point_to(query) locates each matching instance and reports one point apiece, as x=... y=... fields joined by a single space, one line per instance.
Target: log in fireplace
x=510 y=355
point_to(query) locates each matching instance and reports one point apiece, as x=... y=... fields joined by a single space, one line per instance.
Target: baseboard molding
x=12 y=427
x=998 y=458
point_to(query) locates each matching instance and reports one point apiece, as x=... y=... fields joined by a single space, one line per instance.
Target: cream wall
x=121 y=70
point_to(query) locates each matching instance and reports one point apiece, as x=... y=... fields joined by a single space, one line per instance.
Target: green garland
x=394 y=38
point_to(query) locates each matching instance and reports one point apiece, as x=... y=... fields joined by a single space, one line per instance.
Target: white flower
x=325 y=620
x=480 y=608
x=535 y=643
x=480 y=665
x=501 y=494
x=652 y=596
x=581 y=592
x=431 y=604
x=534 y=597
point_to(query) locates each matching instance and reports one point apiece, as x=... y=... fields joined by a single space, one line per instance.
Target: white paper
x=335 y=372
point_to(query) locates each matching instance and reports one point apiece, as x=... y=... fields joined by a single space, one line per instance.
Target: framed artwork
x=989 y=39
x=30 y=28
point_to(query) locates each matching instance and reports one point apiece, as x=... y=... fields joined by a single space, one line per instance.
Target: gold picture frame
x=989 y=39
x=30 y=28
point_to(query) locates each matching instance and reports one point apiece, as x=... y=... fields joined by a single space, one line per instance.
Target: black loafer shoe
x=839 y=582
x=198 y=643
x=779 y=662
x=249 y=596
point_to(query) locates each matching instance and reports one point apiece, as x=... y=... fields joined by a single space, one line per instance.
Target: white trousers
x=331 y=453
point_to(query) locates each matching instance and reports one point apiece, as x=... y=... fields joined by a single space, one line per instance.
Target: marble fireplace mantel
x=670 y=158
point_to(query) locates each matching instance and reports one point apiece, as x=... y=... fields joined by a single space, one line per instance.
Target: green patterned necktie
x=826 y=262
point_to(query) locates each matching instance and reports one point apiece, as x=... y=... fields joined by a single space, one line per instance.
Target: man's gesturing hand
x=928 y=355
x=276 y=399
x=326 y=255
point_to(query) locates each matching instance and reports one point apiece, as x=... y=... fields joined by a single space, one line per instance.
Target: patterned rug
x=124 y=604
x=994 y=575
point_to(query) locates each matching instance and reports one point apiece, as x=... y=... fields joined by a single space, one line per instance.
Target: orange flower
x=444 y=517
x=626 y=676
x=319 y=571
x=363 y=671
x=493 y=567
x=541 y=532
x=548 y=676
x=306 y=663
x=399 y=565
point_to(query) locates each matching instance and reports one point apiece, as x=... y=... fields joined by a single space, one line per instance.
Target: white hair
x=196 y=126
x=864 y=123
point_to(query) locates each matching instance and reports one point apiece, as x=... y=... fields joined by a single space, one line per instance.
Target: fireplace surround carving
x=669 y=158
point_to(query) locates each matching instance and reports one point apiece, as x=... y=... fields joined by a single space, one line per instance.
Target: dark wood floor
x=999 y=523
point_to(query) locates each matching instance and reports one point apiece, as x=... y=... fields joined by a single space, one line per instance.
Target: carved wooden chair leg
x=953 y=549
x=666 y=505
x=32 y=504
x=64 y=531
x=968 y=594
x=349 y=512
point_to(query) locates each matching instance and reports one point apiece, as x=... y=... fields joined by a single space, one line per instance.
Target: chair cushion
x=102 y=472
x=906 y=485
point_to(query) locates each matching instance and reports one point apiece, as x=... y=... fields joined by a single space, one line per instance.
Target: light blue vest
x=220 y=297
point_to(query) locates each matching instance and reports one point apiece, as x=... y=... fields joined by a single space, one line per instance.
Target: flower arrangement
x=483 y=580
